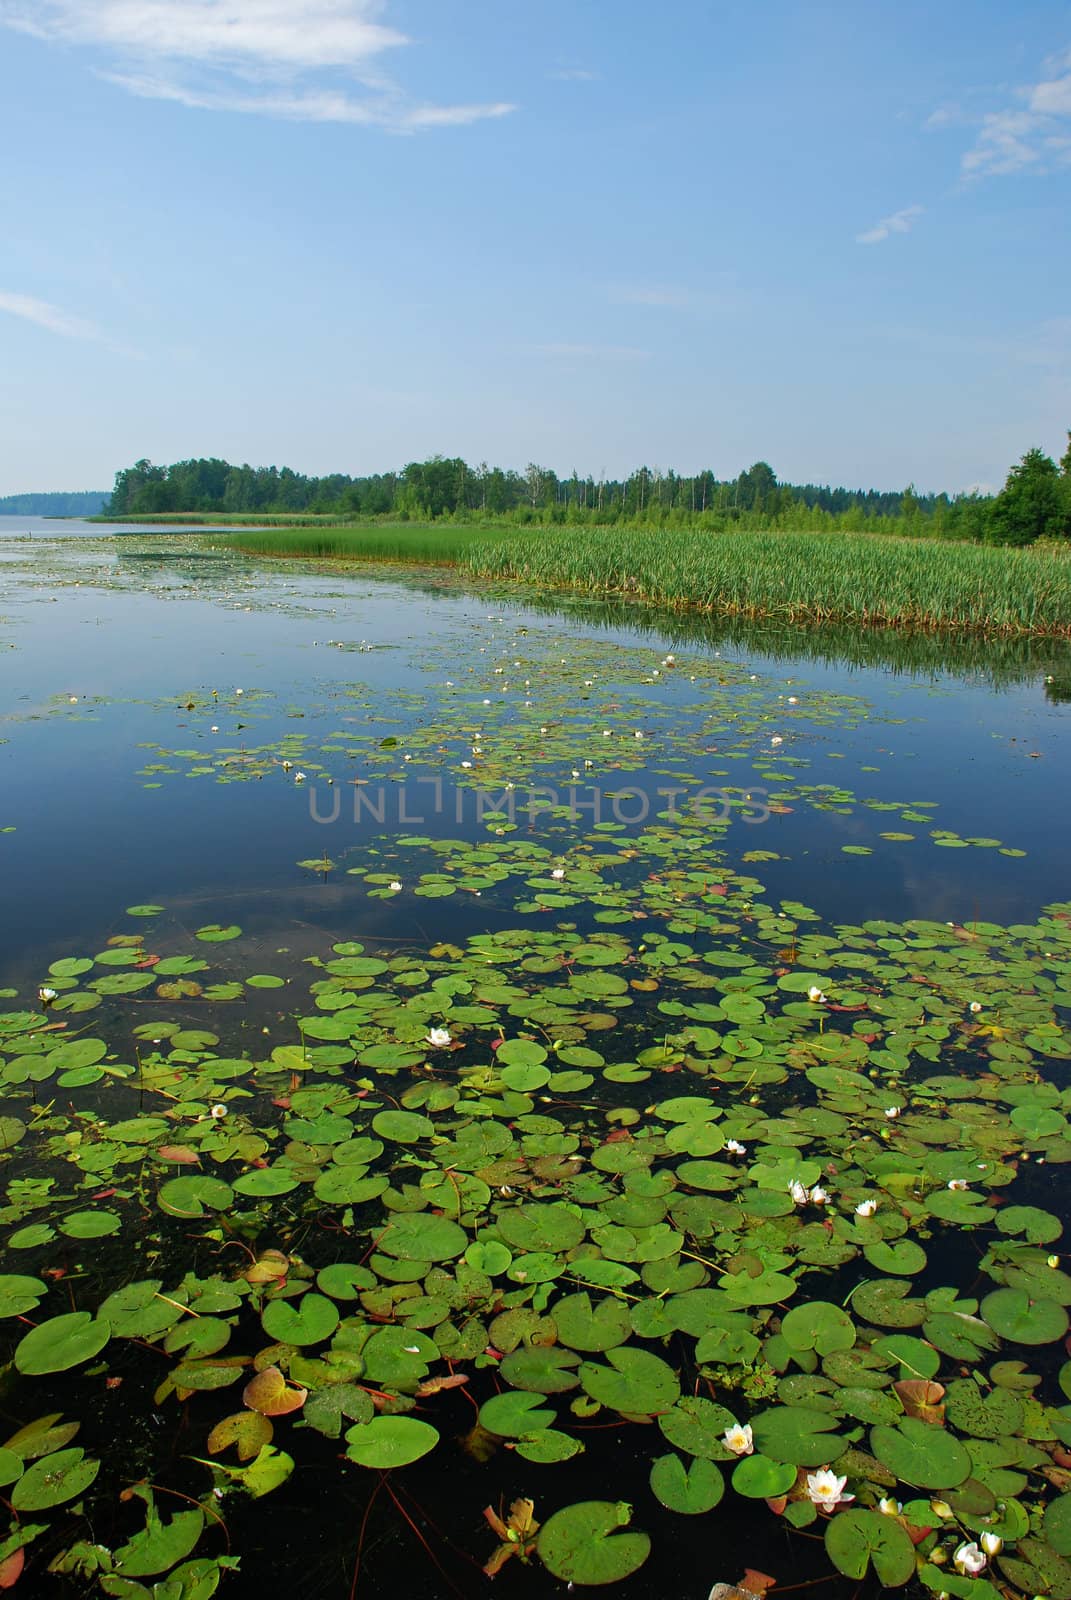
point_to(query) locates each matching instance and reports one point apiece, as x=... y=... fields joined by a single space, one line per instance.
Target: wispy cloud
x=575 y=75
x=48 y=316
x=900 y=222
x=251 y=56
x=1031 y=135
x=386 y=110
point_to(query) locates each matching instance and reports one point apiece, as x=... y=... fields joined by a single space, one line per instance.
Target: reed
x=856 y=579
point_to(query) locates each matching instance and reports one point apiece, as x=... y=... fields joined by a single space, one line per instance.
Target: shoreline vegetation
x=1035 y=502
x=866 y=581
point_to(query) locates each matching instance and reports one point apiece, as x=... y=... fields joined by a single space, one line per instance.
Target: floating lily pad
x=586 y=1543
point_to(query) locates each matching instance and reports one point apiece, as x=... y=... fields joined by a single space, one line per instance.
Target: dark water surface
x=133 y=773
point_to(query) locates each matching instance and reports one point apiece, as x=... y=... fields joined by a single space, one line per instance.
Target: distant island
x=82 y=503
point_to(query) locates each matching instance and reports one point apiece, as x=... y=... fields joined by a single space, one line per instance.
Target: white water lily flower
x=969 y=1560
x=395 y=885
x=239 y=691
x=287 y=765
x=991 y=1543
x=957 y=1183
x=826 y=1489
x=793 y=700
x=669 y=661
x=818 y=1196
x=438 y=1038
x=557 y=872
x=735 y=1148
x=890 y=1508
x=466 y=763
x=739 y=1439
x=975 y=1006
x=775 y=738
x=866 y=1208
x=815 y=995
x=213 y=729
x=218 y=1113
x=299 y=777
x=892 y=1112
x=46 y=995
x=799 y=1193
x=637 y=734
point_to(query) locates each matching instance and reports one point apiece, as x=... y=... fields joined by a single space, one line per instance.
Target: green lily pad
x=388 y=1442
x=756 y=1477
x=688 y=1490
x=635 y=1383
x=310 y=1320
x=585 y=1543
x=61 y=1342
x=921 y=1454
x=1015 y=1316
x=54 y=1479
x=857 y=1539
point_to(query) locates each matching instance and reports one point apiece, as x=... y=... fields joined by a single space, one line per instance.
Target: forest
x=80 y=503
x=1034 y=503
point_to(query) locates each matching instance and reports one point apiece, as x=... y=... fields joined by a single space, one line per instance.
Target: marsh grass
x=857 y=579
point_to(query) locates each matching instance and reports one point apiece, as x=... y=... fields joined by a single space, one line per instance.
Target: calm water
x=131 y=632
x=133 y=772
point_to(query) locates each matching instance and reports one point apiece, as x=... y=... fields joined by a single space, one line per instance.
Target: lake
x=492 y=1047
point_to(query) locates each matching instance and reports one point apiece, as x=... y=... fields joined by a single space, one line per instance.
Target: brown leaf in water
x=182 y=1154
x=921 y=1398
x=11 y=1568
x=273 y=1395
x=434 y=1385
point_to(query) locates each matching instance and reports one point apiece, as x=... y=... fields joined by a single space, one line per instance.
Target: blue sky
x=342 y=234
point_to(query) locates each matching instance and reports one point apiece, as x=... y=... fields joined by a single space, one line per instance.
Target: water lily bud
x=942 y=1509
x=1053 y=1261
x=991 y=1543
x=938 y=1557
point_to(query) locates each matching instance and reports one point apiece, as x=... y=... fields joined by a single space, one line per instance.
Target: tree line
x=81 y=503
x=1034 y=503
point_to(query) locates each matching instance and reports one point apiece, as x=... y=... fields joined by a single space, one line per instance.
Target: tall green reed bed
x=423 y=544
x=803 y=577
x=795 y=577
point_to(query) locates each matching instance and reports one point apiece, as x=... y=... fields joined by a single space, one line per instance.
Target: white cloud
x=1032 y=135
x=575 y=75
x=900 y=222
x=47 y=316
x=290 y=33
x=390 y=111
x=205 y=53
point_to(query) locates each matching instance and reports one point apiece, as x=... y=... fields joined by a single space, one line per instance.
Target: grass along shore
x=858 y=579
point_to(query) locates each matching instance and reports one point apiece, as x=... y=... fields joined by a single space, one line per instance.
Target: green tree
x=1031 y=504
